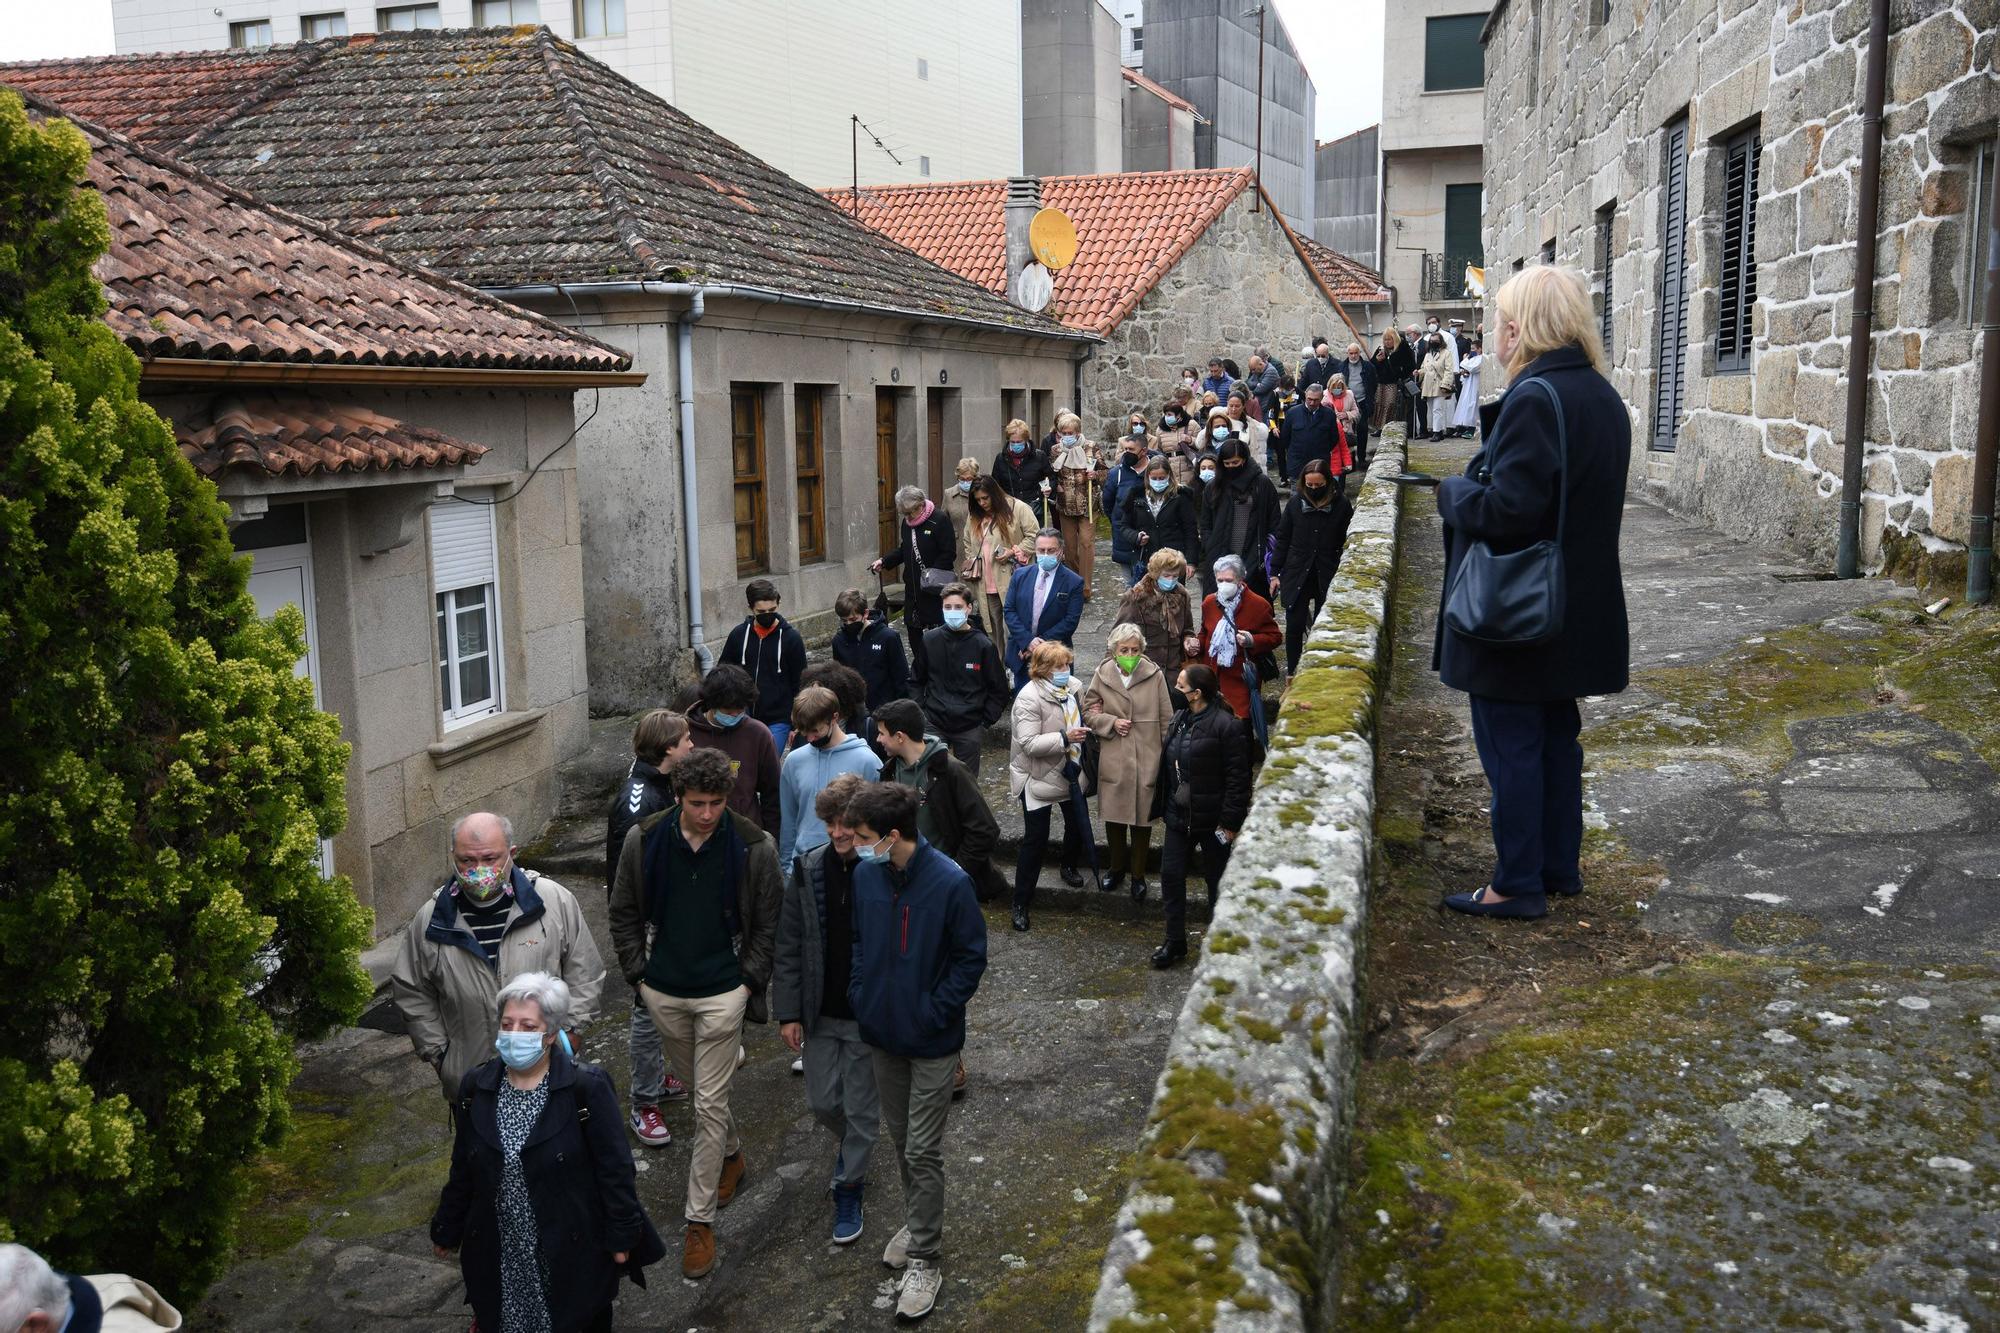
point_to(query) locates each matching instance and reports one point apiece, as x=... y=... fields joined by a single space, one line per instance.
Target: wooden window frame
x=756 y=525
x=809 y=459
x=1737 y=291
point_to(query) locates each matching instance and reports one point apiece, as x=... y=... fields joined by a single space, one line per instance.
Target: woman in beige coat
x=999 y=538
x=956 y=498
x=1129 y=708
x=1044 y=761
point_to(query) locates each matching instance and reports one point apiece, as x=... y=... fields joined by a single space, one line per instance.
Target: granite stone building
x=1701 y=162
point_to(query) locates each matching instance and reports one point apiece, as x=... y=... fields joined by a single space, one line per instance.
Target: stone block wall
x=1578 y=127
x=1240 y=285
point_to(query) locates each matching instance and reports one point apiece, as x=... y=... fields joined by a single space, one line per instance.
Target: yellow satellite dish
x=1052 y=237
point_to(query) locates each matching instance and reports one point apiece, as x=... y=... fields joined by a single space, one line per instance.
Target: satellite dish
x=1033 y=289
x=1052 y=237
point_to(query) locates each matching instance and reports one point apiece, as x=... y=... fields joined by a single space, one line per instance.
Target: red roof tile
x=1350 y=279
x=300 y=435
x=1132 y=228
x=159 y=98
x=199 y=270
x=1171 y=99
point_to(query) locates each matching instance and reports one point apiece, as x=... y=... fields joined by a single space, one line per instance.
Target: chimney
x=1024 y=200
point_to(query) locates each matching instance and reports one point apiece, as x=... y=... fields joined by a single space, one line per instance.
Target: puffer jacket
x=1205 y=771
x=1038 y=750
x=646 y=791
x=446 y=990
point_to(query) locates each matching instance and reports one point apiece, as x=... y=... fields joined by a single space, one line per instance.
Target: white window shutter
x=461 y=545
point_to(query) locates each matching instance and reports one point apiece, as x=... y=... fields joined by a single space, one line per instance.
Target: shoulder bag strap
x=1562 y=455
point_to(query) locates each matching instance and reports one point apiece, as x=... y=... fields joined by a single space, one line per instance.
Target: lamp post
x=1257 y=199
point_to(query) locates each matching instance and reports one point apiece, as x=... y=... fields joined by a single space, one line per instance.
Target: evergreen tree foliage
x=165 y=934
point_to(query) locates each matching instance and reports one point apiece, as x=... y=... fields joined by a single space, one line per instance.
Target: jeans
x=780 y=733
x=1131 y=847
x=916 y=1094
x=701 y=1037
x=840 y=1093
x=965 y=745
x=1174 y=859
x=649 y=1057
x=1035 y=846
x=1534 y=766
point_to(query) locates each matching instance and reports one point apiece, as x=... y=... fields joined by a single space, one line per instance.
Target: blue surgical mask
x=1208 y=474
x=1047 y=562
x=1138 y=431
x=1220 y=433
x=1017 y=446
x=965 y=488
x=1059 y=678
x=1068 y=440
x=872 y=853
x=955 y=617
x=726 y=719
x=1170 y=419
x=520 y=1050
x=1159 y=485
x=1167 y=582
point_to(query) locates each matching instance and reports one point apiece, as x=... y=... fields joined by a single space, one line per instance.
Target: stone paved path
x=1748 y=1080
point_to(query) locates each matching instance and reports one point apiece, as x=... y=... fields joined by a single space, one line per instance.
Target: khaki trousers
x=701 y=1037
x=1080 y=547
x=915 y=1096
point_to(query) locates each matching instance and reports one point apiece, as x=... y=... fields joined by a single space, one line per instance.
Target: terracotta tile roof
x=199 y=270
x=297 y=434
x=158 y=99
x=1132 y=228
x=1157 y=90
x=1350 y=279
x=507 y=157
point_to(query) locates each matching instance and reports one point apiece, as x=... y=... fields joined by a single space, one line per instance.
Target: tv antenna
x=854 y=132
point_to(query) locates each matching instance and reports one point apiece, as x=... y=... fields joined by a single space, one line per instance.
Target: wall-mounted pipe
x=1986 y=443
x=1860 y=359
x=690 y=488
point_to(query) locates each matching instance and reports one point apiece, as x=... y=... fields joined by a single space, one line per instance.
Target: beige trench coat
x=1128 y=766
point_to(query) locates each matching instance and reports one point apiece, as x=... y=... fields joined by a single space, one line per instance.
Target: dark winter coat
x=919 y=951
x=951 y=814
x=1507 y=498
x=1022 y=477
x=1309 y=435
x=1120 y=484
x=1312 y=370
x=876 y=654
x=931 y=544
x=1360 y=381
x=1205 y=771
x=1310 y=538
x=1251 y=491
x=1173 y=528
x=1402 y=362
x=646 y=791
x=960 y=680
x=581 y=1178
x=775 y=661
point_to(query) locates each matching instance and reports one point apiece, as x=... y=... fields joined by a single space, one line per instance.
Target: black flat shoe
x=1527 y=907
x=1021 y=919
x=1111 y=883
x=1138 y=890
x=1570 y=892
x=1167 y=955
x=1072 y=877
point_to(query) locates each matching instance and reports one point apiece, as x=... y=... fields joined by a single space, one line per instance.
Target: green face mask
x=1127 y=662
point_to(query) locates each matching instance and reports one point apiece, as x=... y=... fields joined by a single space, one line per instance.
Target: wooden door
x=886 y=479
x=934 y=444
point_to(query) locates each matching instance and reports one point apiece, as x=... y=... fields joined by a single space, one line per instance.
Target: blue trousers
x=1534 y=766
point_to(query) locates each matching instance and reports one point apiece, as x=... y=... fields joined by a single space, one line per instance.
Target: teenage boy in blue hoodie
x=766 y=646
x=826 y=753
x=919 y=949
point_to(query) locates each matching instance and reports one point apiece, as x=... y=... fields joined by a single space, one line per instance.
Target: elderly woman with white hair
x=927 y=553
x=34 y=1298
x=1076 y=468
x=1128 y=707
x=542 y=1204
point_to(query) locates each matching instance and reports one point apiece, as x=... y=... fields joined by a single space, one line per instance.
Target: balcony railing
x=1444 y=276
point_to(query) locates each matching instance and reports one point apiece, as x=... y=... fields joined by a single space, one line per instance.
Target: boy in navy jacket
x=766 y=646
x=919 y=948
x=872 y=649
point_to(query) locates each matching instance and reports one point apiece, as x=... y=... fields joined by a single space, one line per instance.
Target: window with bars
x=1739 y=253
x=250 y=35
x=408 y=18
x=746 y=445
x=312 y=27
x=466 y=585
x=1605 y=217
x=505 y=13
x=809 y=432
x=600 y=18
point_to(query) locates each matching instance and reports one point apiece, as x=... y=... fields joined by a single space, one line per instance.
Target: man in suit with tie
x=1043 y=604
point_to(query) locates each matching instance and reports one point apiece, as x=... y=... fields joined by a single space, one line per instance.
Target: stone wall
x=1240 y=285
x=1578 y=127
x=1230 y=1220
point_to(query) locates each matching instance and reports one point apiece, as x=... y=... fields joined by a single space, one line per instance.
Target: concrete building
x=1701 y=163
x=940 y=83
x=1159 y=127
x=1206 y=51
x=1347 y=212
x=1072 y=92
x=1171 y=269
x=393 y=449
x=800 y=366
x=1434 y=115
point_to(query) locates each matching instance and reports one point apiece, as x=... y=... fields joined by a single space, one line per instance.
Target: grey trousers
x=840 y=1092
x=915 y=1096
x=965 y=745
x=649 y=1059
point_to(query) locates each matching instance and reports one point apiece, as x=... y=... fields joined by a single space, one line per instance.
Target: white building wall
x=1428 y=140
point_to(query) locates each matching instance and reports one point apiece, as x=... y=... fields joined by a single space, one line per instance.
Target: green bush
x=165 y=935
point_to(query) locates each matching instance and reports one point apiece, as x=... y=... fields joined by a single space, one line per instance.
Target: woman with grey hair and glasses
x=542 y=1204
x=927 y=553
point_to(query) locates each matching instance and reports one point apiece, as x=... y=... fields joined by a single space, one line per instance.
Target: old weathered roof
x=199 y=270
x=297 y=434
x=1156 y=89
x=507 y=157
x=159 y=98
x=1350 y=279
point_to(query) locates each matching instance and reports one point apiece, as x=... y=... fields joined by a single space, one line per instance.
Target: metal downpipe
x=690 y=489
x=1860 y=356
x=1986 y=442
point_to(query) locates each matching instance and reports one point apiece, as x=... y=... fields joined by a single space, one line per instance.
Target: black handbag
x=1515 y=599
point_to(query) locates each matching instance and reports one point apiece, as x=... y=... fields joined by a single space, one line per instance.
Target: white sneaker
x=897 y=1253
x=741 y=1056
x=799 y=1065
x=920 y=1284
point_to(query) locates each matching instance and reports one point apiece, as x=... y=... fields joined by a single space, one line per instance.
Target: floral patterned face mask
x=482 y=884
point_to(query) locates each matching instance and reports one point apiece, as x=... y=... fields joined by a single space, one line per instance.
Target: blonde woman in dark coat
x=1129 y=708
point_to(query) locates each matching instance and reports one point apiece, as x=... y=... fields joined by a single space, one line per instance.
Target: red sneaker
x=649 y=1128
x=676 y=1090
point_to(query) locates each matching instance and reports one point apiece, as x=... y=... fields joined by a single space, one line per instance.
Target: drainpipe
x=1986 y=443
x=1859 y=359
x=690 y=490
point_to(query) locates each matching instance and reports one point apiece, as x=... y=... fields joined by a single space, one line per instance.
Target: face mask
x=1167 y=582
x=965 y=488
x=1017 y=446
x=1059 y=679
x=520 y=1050
x=822 y=742
x=1220 y=433
x=1208 y=474
x=854 y=628
x=955 y=618
x=1187 y=381
x=1068 y=440
x=1159 y=485
x=1138 y=430
x=1171 y=420
x=482 y=884
x=726 y=719
x=1228 y=592
x=767 y=618
x=1128 y=662
x=1315 y=492
x=873 y=853
x=1046 y=562
x=1232 y=471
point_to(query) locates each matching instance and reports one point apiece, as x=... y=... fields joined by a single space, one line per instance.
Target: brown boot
x=734 y=1168
x=958 y=1080
x=697 y=1250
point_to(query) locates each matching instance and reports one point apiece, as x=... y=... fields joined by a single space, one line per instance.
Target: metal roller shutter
x=461 y=545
